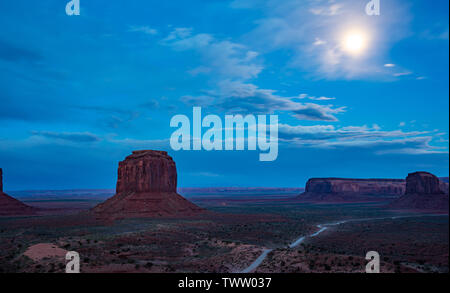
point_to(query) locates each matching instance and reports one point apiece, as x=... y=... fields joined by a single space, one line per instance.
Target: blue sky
x=79 y=93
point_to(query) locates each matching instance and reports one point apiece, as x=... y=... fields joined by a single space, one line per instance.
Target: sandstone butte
x=424 y=191
x=146 y=188
x=10 y=206
x=347 y=190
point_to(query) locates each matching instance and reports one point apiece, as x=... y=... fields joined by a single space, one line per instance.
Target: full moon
x=354 y=43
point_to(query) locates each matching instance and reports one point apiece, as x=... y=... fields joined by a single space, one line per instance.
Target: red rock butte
x=423 y=183
x=424 y=192
x=146 y=188
x=10 y=206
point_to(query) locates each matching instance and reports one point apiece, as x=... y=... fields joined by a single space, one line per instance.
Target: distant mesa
x=10 y=206
x=420 y=191
x=424 y=191
x=146 y=188
x=351 y=190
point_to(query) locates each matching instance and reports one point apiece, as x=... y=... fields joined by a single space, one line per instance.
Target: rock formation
x=146 y=187
x=443 y=183
x=424 y=192
x=10 y=206
x=422 y=183
x=347 y=190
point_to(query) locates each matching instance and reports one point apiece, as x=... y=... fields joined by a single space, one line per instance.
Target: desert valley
x=149 y=225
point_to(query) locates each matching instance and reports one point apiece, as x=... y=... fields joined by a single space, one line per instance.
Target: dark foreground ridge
x=146 y=188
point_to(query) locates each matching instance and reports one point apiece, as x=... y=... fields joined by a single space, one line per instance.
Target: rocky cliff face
x=356 y=186
x=422 y=183
x=10 y=206
x=146 y=187
x=340 y=189
x=444 y=186
x=424 y=192
x=147 y=171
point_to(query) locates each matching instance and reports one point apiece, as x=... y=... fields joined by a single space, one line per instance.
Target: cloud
x=410 y=146
x=223 y=58
x=329 y=132
x=178 y=33
x=313 y=32
x=437 y=32
x=143 y=29
x=204 y=174
x=160 y=144
x=239 y=97
x=399 y=74
x=397 y=71
x=333 y=9
x=203 y=101
x=151 y=105
x=303 y=96
x=84 y=137
x=232 y=65
x=19 y=106
x=13 y=53
x=319 y=42
x=111 y=117
x=315 y=112
x=379 y=141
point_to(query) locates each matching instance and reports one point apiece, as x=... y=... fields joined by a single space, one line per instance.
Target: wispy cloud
x=224 y=58
x=398 y=74
x=328 y=132
x=204 y=174
x=379 y=141
x=236 y=96
x=306 y=96
x=111 y=117
x=13 y=53
x=232 y=66
x=315 y=31
x=80 y=137
x=143 y=29
x=328 y=10
x=437 y=32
